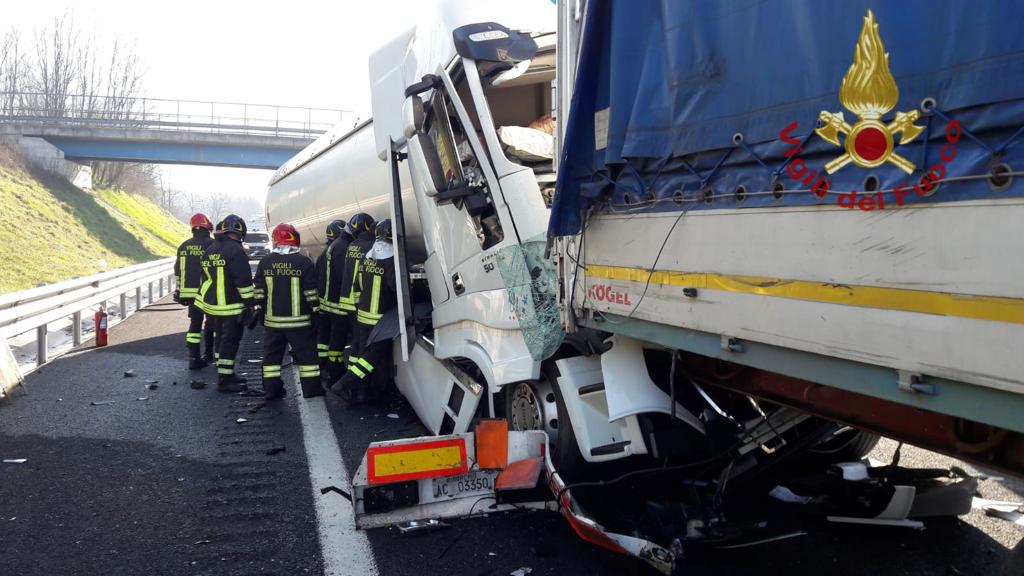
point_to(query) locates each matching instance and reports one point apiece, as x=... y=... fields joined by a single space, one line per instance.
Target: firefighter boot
x=195 y=362
x=311 y=387
x=273 y=388
x=229 y=383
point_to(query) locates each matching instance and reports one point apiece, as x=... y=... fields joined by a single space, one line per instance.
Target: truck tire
x=538 y=405
x=847 y=445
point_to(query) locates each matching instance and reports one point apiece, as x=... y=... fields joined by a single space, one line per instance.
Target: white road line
x=346 y=551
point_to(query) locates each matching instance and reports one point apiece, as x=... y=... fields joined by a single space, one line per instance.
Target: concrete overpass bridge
x=162 y=131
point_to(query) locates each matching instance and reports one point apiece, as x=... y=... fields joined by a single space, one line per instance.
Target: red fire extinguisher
x=100 y=320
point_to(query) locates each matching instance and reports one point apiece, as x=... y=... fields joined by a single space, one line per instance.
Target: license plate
x=475 y=483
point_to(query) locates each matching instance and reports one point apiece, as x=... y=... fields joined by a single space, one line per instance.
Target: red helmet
x=199 y=220
x=285 y=235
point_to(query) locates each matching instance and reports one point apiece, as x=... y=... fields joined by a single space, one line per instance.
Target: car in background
x=256 y=244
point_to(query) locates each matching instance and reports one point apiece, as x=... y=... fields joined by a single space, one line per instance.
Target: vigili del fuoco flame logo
x=869 y=91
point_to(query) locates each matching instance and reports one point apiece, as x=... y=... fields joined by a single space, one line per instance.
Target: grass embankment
x=52 y=231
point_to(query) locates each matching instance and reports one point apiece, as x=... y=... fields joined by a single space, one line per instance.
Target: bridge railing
x=176 y=115
x=36 y=308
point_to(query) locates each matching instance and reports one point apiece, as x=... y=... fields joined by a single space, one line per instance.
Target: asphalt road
x=174 y=485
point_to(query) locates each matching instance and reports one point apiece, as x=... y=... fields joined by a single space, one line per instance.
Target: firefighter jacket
x=353 y=255
x=227 y=289
x=286 y=288
x=377 y=292
x=329 y=288
x=188 y=267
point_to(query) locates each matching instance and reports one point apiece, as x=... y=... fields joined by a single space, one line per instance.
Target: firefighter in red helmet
x=188 y=272
x=286 y=291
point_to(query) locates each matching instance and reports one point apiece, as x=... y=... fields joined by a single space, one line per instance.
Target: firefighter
x=332 y=321
x=188 y=272
x=377 y=295
x=360 y=228
x=286 y=292
x=227 y=295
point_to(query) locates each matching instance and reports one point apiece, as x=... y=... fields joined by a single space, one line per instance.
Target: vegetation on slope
x=52 y=231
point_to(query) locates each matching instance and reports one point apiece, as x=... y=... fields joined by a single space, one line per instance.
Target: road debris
x=197 y=384
x=415 y=526
x=142 y=398
x=151 y=381
x=15 y=460
x=129 y=373
x=242 y=420
x=276 y=450
x=152 y=386
x=521 y=571
x=101 y=402
x=393 y=416
x=198 y=542
x=336 y=490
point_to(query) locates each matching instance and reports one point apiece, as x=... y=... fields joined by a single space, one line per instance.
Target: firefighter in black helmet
x=287 y=293
x=227 y=295
x=188 y=272
x=332 y=321
x=377 y=295
x=360 y=227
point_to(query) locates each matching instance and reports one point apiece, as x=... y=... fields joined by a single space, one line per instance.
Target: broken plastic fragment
x=421 y=526
x=521 y=571
x=101 y=402
x=141 y=398
x=393 y=416
x=129 y=373
x=152 y=386
x=151 y=381
x=786 y=495
x=242 y=420
x=15 y=460
x=198 y=542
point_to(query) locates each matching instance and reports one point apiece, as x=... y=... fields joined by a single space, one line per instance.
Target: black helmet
x=334 y=229
x=361 y=222
x=383 y=230
x=232 y=223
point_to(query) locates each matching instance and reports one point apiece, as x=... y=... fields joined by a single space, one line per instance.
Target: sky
x=294 y=53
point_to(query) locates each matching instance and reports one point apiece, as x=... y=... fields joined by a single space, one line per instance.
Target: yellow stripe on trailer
x=413 y=461
x=922 y=301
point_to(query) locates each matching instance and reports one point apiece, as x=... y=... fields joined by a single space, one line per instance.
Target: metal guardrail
x=36 y=308
x=175 y=115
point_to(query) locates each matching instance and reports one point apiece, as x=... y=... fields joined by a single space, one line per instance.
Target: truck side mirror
x=413 y=116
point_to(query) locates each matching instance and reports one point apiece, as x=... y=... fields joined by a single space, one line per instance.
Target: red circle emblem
x=870 y=144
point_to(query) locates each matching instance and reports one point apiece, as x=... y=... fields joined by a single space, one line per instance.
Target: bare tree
x=218 y=203
x=13 y=68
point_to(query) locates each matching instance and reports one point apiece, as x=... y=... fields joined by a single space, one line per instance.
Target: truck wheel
x=846 y=445
x=538 y=405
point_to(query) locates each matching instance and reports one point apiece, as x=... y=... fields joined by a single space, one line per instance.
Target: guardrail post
x=124 y=305
x=138 y=298
x=76 y=328
x=150 y=301
x=161 y=287
x=42 y=344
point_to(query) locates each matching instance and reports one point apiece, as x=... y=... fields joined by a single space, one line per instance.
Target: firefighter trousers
x=229 y=331
x=198 y=332
x=304 y=353
x=340 y=336
x=368 y=367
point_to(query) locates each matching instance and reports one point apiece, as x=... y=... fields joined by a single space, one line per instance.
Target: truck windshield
x=257 y=238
